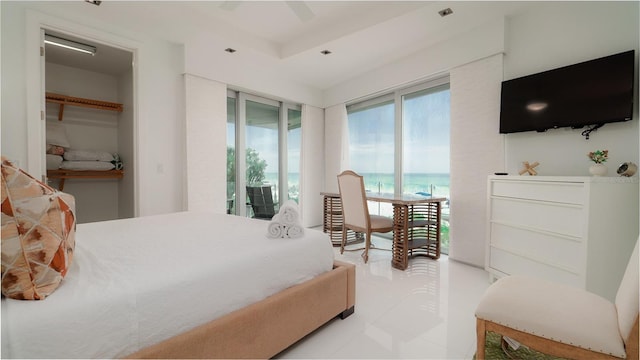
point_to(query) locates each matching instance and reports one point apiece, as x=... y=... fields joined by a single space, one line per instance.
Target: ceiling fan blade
x=302 y=11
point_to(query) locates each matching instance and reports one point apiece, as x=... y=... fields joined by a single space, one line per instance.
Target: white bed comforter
x=136 y=282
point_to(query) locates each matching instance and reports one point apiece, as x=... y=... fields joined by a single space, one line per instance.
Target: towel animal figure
x=286 y=223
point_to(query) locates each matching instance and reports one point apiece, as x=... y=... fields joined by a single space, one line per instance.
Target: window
x=399 y=142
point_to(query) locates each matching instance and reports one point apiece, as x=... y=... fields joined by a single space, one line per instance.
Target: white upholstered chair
x=563 y=321
x=355 y=211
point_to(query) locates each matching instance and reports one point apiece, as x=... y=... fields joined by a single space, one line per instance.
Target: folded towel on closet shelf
x=53 y=161
x=286 y=223
x=87 y=155
x=87 y=165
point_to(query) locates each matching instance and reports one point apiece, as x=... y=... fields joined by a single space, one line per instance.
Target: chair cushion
x=380 y=222
x=38 y=235
x=553 y=311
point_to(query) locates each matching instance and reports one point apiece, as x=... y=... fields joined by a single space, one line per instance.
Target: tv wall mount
x=587 y=132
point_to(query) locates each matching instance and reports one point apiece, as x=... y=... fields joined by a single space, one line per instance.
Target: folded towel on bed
x=87 y=155
x=286 y=223
x=289 y=213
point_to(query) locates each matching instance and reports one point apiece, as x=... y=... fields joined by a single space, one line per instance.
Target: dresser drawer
x=561 y=219
x=559 y=192
x=510 y=264
x=565 y=253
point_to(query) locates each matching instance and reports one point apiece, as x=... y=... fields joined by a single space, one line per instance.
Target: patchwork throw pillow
x=38 y=235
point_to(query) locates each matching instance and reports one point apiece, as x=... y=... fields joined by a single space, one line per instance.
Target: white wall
x=157 y=87
x=14 y=102
x=560 y=34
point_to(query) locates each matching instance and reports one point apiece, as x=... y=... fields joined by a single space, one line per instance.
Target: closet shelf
x=83 y=174
x=63 y=100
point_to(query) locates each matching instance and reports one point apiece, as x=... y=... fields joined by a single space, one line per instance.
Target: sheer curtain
x=477 y=150
x=336 y=145
x=205 y=143
x=312 y=160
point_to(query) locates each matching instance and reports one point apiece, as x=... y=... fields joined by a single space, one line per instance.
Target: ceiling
x=289 y=36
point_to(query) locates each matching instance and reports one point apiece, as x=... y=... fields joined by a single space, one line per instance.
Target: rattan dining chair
x=355 y=211
x=563 y=321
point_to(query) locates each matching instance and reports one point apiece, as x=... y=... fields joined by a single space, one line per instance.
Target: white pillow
x=57 y=135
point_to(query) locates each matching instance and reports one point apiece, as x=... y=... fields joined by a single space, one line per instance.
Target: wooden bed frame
x=264 y=329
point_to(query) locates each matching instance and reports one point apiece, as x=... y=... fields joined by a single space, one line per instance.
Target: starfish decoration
x=529 y=168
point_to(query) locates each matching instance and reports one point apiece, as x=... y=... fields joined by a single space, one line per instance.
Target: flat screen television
x=593 y=92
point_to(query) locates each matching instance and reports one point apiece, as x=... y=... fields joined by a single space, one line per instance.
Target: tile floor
x=424 y=312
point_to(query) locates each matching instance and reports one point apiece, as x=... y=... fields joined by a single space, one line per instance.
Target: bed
x=182 y=285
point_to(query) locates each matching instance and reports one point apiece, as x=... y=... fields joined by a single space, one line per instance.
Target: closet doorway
x=89 y=136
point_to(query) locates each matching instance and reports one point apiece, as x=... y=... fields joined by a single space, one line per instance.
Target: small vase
x=598 y=169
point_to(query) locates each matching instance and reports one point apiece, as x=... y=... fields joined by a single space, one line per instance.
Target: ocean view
x=384 y=182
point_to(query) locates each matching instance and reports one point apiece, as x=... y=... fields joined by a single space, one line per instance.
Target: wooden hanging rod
x=63 y=100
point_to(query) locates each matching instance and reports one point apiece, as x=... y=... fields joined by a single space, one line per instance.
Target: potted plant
x=598 y=157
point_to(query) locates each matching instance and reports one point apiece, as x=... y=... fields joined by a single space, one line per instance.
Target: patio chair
x=261 y=200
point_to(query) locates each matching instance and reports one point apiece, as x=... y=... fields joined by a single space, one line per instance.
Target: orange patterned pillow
x=38 y=235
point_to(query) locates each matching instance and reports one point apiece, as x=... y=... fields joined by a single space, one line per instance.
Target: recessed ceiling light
x=230 y=50
x=325 y=52
x=445 y=12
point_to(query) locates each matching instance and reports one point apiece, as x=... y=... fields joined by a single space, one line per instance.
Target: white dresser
x=575 y=230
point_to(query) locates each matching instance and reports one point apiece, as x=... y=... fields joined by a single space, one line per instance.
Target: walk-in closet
x=89 y=136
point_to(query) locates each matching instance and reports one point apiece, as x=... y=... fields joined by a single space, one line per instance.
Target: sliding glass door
x=262 y=155
x=371 y=148
x=258 y=130
x=425 y=147
x=399 y=142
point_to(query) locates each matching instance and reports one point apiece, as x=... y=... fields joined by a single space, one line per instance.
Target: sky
x=425 y=140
